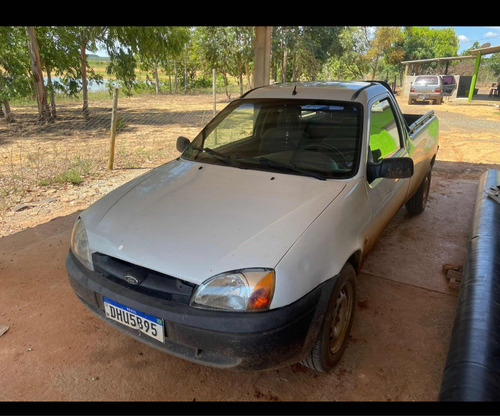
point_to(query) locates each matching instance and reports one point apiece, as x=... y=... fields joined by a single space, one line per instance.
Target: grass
x=79 y=168
x=36 y=157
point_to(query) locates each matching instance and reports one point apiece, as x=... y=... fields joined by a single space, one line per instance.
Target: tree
x=302 y=51
x=155 y=45
x=212 y=45
x=384 y=46
x=494 y=63
x=121 y=43
x=242 y=38
x=424 y=43
x=282 y=43
x=60 y=56
x=15 y=79
x=36 y=69
x=87 y=38
x=350 y=63
x=316 y=45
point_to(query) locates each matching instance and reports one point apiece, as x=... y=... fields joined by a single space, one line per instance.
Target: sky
x=467 y=35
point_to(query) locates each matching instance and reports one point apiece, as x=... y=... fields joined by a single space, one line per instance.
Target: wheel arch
x=356 y=260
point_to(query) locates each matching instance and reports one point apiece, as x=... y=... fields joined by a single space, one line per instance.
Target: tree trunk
x=375 y=67
x=185 y=71
x=240 y=75
x=284 y=65
x=249 y=80
x=83 y=59
x=52 y=95
x=226 y=83
x=169 y=77
x=175 y=76
x=36 y=68
x=157 y=80
x=9 y=118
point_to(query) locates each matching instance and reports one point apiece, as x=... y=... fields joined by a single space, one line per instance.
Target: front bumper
x=247 y=341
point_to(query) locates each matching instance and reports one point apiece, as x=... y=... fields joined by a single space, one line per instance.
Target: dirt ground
x=55 y=350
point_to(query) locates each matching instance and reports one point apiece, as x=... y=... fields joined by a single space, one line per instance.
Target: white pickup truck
x=243 y=252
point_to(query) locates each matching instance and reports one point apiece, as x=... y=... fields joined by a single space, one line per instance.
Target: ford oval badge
x=131 y=279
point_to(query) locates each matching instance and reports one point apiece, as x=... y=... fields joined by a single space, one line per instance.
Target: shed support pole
x=262 y=55
x=474 y=77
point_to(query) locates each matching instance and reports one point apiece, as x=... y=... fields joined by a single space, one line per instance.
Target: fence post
x=214 y=93
x=214 y=97
x=113 y=129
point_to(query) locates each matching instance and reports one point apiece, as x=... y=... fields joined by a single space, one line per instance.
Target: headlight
x=80 y=244
x=249 y=290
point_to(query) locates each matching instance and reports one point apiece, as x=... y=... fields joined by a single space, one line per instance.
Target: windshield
x=430 y=80
x=310 y=137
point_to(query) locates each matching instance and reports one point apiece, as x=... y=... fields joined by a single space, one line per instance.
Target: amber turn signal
x=262 y=294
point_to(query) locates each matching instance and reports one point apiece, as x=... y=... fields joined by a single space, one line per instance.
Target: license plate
x=147 y=324
x=423 y=96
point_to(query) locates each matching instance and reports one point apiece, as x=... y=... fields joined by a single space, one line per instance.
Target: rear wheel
x=337 y=323
x=416 y=204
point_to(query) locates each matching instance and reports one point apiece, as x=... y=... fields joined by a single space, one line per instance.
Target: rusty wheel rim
x=341 y=318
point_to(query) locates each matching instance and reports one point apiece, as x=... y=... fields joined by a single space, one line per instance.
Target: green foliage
x=350 y=63
x=302 y=51
x=494 y=63
x=298 y=52
x=15 y=74
x=425 y=43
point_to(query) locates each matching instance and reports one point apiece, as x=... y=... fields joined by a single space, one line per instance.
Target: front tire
x=333 y=336
x=417 y=203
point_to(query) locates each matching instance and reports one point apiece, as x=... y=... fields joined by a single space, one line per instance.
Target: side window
x=385 y=138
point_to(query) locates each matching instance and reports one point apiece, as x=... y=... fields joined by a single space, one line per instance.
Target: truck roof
x=322 y=90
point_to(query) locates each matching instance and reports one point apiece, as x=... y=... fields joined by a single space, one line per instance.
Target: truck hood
x=193 y=221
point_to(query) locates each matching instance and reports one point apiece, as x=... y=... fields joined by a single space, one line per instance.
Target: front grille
x=149 y=282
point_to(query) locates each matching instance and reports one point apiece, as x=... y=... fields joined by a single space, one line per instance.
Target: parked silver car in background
x=426 y=88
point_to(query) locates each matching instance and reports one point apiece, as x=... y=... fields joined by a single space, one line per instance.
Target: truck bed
x=414 y=121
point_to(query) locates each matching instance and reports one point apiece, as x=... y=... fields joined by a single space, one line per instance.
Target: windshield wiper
x=282 y=165
x=219 y=156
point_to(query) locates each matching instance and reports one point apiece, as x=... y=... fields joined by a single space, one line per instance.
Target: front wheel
x=337 y=323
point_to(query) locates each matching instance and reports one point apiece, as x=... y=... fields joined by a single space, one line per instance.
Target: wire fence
x=73 y=147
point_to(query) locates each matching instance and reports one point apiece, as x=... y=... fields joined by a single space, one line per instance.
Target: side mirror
x=182 y=143
x=392 y=168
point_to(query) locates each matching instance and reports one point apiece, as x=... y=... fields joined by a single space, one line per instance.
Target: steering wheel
x=325 y=146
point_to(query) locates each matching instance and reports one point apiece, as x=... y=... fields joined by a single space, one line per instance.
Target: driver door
x=386 y=140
